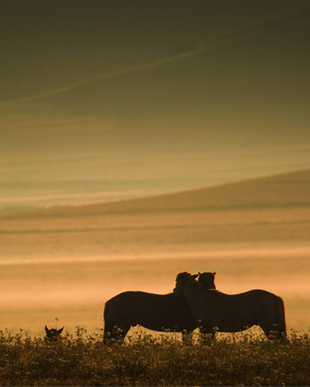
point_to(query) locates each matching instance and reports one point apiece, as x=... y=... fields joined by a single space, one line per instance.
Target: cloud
x=95 y=176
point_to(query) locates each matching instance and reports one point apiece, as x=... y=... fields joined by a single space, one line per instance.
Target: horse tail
x=280 y=318
x=108 y=322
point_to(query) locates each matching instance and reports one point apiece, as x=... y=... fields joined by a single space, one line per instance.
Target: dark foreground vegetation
x=82 y=360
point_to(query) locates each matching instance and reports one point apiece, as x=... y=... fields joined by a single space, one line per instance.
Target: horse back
x=252 y=295
x=235 y=312
x=153 y=311
x=251 y=303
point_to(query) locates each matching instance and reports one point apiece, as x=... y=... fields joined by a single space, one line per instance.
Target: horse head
x=181 y=280
x=207 y=280
x=53 y=334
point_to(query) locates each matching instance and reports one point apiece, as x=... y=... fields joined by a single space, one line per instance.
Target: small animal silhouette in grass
x=53 y=334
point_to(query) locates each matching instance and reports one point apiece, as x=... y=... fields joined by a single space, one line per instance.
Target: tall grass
x=83 y=360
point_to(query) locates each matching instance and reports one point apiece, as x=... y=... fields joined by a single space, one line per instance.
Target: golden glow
x=66 y=262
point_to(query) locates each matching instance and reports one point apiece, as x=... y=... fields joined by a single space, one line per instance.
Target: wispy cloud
x=210 y=44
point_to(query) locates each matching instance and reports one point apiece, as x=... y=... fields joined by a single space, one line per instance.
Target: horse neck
x=210 y=286
x=194 y=296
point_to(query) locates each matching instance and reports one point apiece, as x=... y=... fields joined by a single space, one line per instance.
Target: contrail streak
x=213 y=42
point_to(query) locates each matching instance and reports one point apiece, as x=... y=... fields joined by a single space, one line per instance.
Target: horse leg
x=274 y=332
x=187 y=337
x=207 y=335
x=108 y=327
x=275 y=326
x=119 y=333
x=280 y=320
x=115 y=335
x=108 y=333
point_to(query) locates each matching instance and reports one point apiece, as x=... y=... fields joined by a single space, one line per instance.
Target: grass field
x=82 y=360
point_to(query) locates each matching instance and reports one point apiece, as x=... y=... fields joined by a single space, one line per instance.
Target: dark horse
x=158 y=312
x=213 y=310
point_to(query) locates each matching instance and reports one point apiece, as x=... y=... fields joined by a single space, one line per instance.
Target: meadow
x=81 y=359
x=67 y=262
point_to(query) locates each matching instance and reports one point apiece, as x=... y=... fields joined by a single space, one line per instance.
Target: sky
x=111 y=99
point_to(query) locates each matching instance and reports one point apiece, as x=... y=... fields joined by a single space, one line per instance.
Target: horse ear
x=214 y=273
x=60 y=330
x=46 y=329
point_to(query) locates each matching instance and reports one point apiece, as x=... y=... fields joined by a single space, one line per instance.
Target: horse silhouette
x=213 y=310
x=52 y=334
x=158 y=312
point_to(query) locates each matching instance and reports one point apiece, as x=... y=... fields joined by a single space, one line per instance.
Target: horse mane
x=185 y=277
x=180 y=278
x=182 y=275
